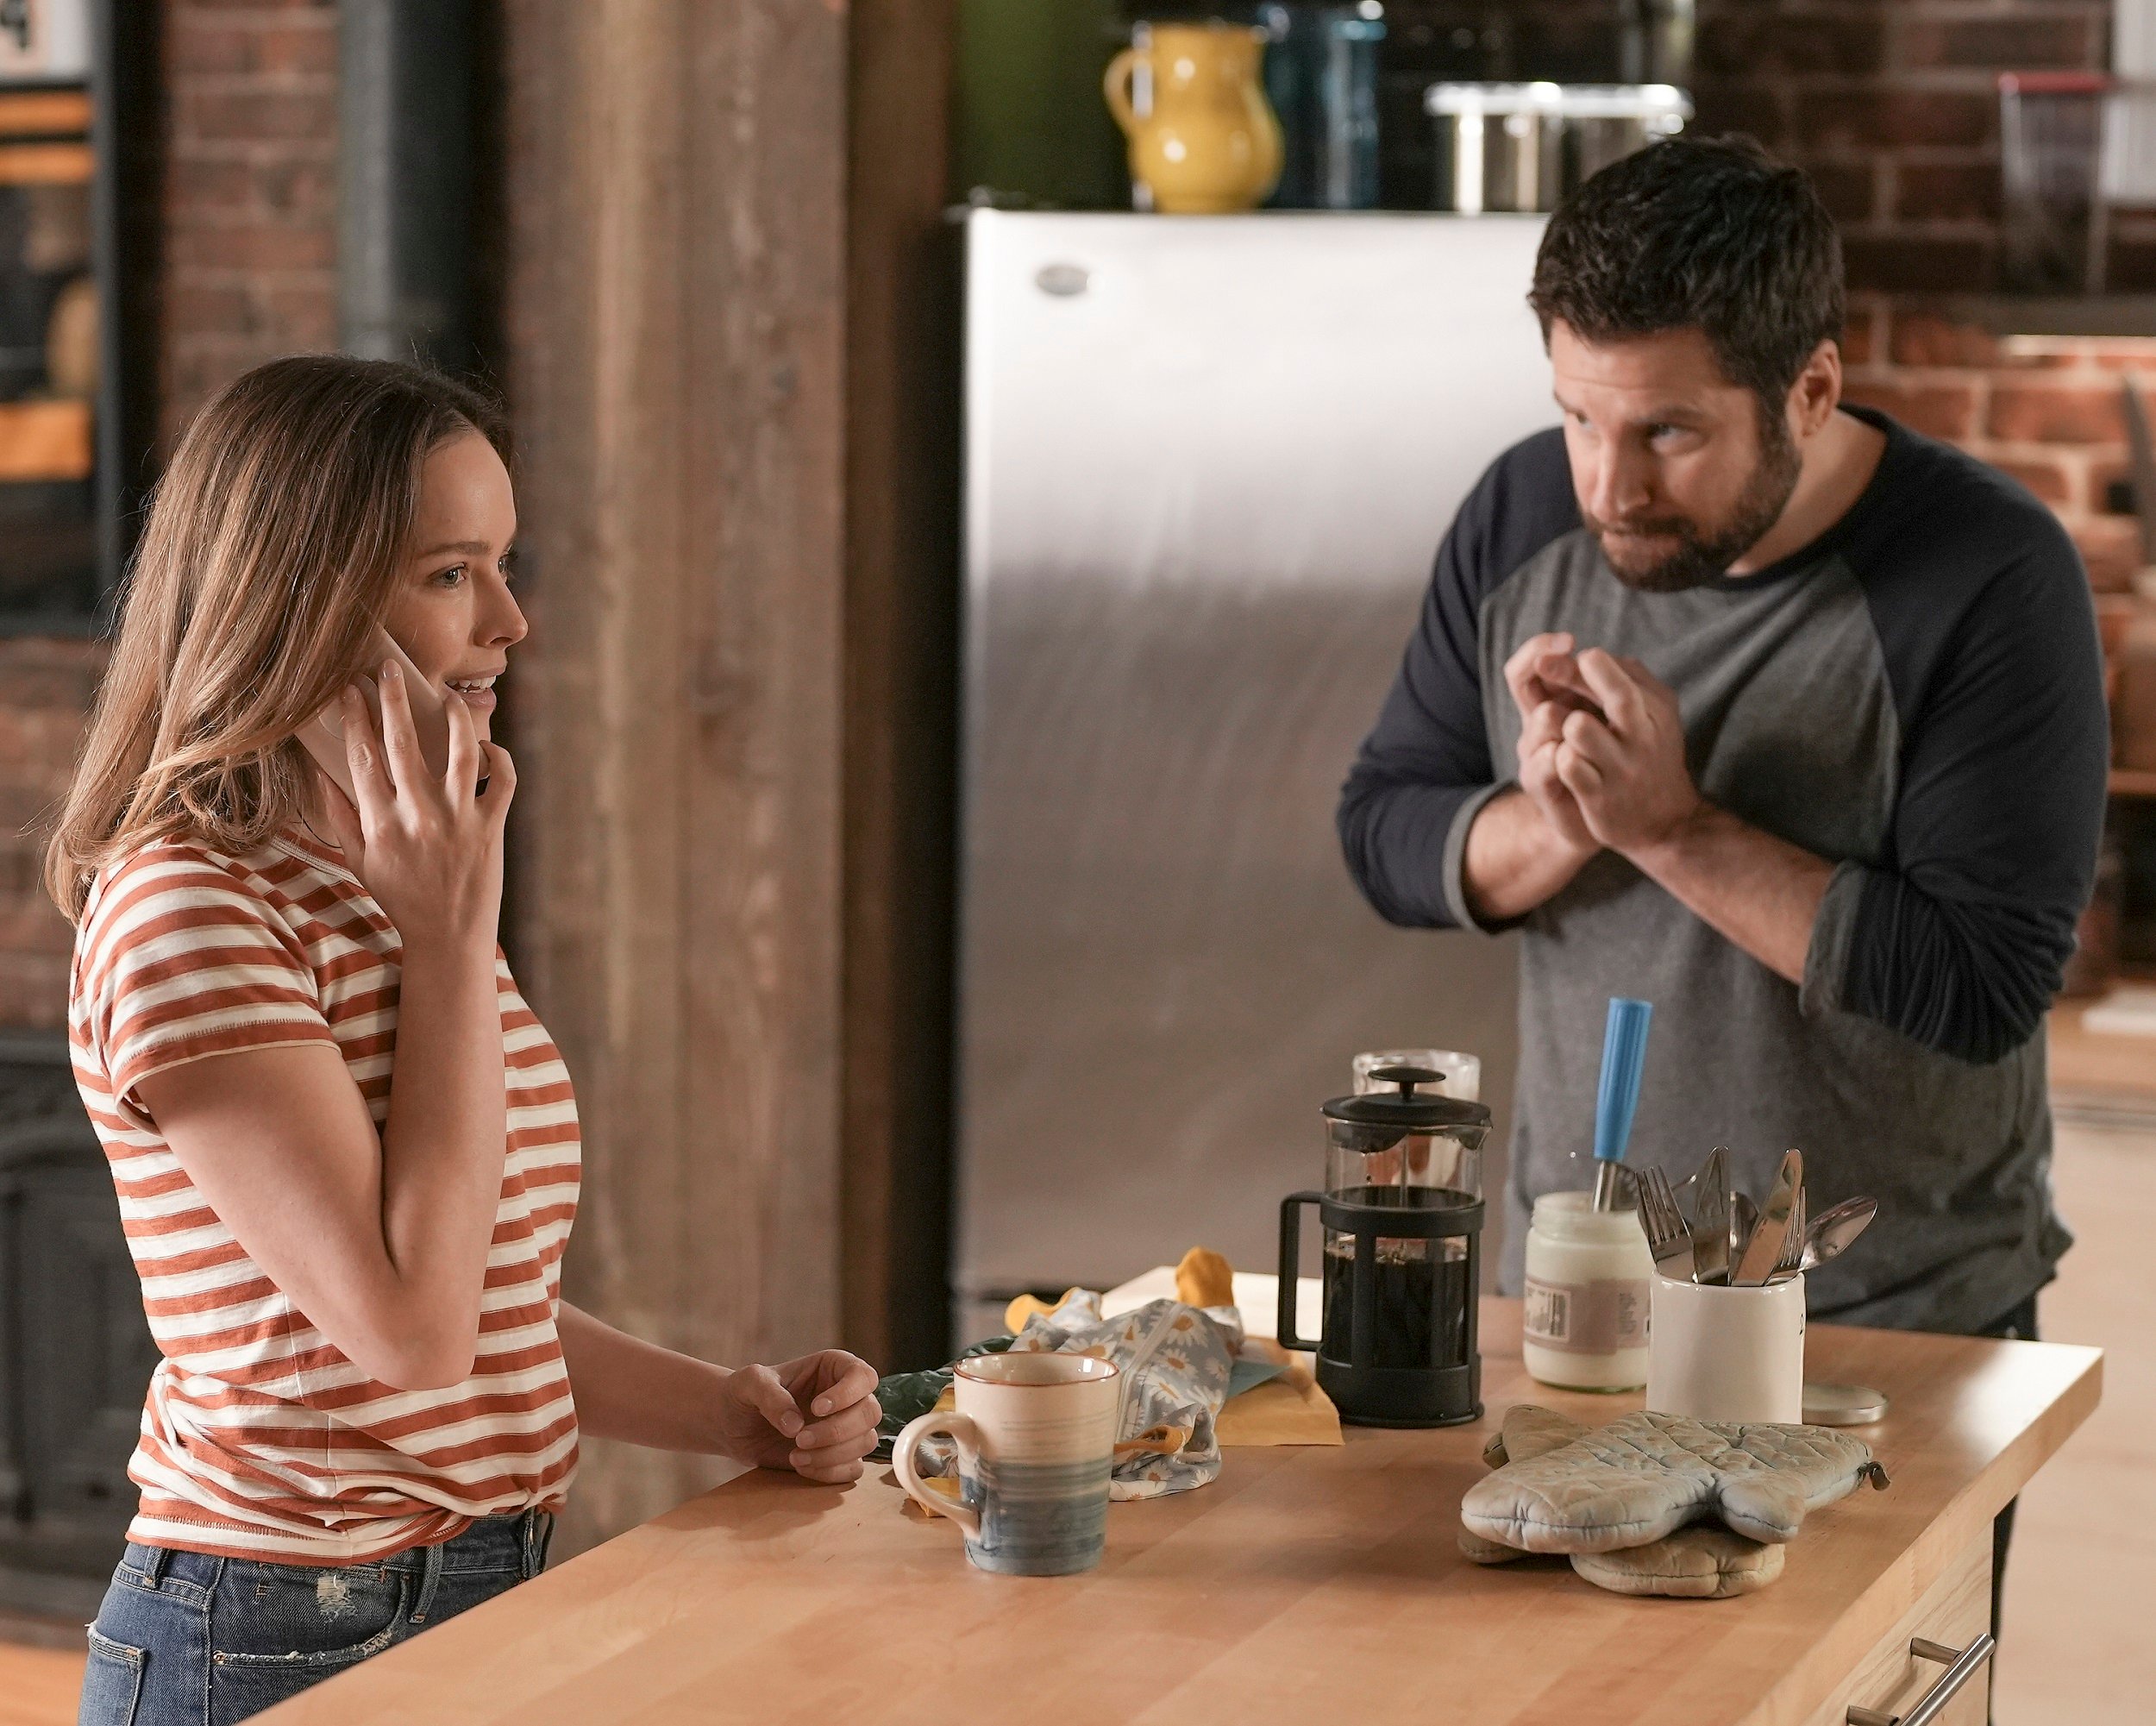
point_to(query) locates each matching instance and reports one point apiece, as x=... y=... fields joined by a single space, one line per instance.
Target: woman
x=346 y=1152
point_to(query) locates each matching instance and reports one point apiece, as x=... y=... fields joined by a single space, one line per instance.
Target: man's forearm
x=1515 y=859
x=1760 y=892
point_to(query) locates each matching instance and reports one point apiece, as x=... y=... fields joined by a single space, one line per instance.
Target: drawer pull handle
x=1961 y=1665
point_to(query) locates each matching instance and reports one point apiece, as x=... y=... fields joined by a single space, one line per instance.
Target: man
x=1773 y=713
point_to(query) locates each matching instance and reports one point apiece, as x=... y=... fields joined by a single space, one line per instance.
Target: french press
x=1402 y=1218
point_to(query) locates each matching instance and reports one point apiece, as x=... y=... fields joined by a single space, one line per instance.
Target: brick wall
x=1893 y=107
x=2046 y=409
x=251 y=192
x=250 y=260
x=47 y=686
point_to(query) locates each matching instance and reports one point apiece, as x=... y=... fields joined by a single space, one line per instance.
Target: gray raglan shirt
x=1917 y=696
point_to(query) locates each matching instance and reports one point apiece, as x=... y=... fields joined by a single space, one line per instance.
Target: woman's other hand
x=426 y=846
x=817 y=1416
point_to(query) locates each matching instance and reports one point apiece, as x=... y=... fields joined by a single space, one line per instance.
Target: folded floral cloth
x=1177 y=1362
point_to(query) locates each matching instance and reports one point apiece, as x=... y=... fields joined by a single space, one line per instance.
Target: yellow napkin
x=1289 y=1409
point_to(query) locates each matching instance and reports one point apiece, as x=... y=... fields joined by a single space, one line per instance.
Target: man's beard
x=1703 y=555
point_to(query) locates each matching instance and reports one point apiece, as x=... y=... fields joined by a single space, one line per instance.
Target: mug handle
x=962 y=1431
x=1115 y=85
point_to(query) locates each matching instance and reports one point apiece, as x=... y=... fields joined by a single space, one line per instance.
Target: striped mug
x=1035 y=1437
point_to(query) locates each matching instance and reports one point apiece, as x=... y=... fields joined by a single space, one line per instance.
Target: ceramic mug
x=1035 y=1438
x=1727 y=1354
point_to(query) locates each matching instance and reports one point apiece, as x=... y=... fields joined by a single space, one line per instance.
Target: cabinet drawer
x=1955 y=1611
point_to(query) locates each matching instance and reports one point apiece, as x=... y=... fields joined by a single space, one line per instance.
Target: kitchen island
x=1319 y=1583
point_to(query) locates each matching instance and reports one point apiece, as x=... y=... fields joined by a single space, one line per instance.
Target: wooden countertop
x=1306 y=1585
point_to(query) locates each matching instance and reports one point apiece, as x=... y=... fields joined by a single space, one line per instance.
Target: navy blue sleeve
x=1961 y=941
x=1427 y=759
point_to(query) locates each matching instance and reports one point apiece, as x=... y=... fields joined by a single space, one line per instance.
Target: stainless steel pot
x=1504 y=146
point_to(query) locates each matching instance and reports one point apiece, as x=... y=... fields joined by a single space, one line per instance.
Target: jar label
x=1588 y=1318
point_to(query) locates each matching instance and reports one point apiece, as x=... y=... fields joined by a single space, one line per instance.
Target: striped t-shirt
x=259 y=1439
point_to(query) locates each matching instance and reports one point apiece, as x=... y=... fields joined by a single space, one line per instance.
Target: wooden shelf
x=45 y=164
x=41 y=113
x=44 y=440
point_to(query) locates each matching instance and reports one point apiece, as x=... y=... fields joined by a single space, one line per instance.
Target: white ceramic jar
x=1590 y=1283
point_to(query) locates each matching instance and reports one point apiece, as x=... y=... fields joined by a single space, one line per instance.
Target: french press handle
x=1291 y=1267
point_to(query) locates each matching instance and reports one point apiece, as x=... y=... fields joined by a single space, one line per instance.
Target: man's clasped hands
x=1601 y=746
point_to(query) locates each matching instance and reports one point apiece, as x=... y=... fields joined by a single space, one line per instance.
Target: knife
x=1710 y=1218
x=1763 y=1250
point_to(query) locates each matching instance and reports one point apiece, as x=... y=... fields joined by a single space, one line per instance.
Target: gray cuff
x=1827 y=960
x=1455 y=863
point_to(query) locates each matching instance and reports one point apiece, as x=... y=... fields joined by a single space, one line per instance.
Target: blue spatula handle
x=1624 y=1054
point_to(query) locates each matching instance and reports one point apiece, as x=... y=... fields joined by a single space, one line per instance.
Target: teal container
x=1030 y=127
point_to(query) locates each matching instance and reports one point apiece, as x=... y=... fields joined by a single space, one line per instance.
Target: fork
x=1792 y=1258
x=1667 y=1237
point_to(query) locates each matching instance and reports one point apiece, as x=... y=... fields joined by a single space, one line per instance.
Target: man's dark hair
x=1705 y=233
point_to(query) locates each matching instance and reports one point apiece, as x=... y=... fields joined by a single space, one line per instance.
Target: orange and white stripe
x=259 y=1439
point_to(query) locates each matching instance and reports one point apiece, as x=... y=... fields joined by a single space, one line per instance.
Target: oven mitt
x=1645 y=1476
x=1702 y=1562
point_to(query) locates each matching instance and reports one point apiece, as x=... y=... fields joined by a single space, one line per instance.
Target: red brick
x=1885 y=117
x=299 y=48
x=1947 y=411
x=2139 y=367
x=1747 y=43
x=2000 y=44
x=300 y=188
x=229 y=184
x=44 y=672
x=225 y=307
x=2043 y=413
x=237 y=112
x=1849 y=189
x=35 y=926
x=1923 y=338
x=2131 y=267
x=2104 y=480
x=33 y=991
x=2111 y=548
x=1858 y=334
x=2049 y=480
x=225 y=44
x=1931 y=192
x=252 y=246
x=1757 y=110
x=196 y=47
x=1917 y=262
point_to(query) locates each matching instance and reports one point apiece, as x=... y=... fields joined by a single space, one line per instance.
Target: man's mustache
x=1645 y=527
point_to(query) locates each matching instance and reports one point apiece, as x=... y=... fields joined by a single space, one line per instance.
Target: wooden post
x=676 y=196
x=901 y=682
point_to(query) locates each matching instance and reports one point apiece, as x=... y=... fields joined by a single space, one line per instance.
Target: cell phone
x=323 y=737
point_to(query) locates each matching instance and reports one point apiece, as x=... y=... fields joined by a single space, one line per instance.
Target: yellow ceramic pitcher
x=1211 y=143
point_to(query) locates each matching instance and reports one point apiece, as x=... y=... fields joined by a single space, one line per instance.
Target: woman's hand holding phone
x=427 y=846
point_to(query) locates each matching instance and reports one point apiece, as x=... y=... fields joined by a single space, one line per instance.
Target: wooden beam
x=674 y=346
x=901 y=681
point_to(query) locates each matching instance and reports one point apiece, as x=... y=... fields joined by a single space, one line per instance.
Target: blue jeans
x=187 y=1640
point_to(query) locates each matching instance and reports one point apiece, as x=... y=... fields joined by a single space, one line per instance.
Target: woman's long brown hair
x=272 y=550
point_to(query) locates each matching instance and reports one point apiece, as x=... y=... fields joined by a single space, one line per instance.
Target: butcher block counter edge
x=1964 y=1524
x=524 y=1658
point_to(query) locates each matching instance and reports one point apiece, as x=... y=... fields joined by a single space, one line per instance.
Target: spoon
x=1830 y=1235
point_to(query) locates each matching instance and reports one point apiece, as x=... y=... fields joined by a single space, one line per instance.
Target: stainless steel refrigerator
x=1208 y=460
